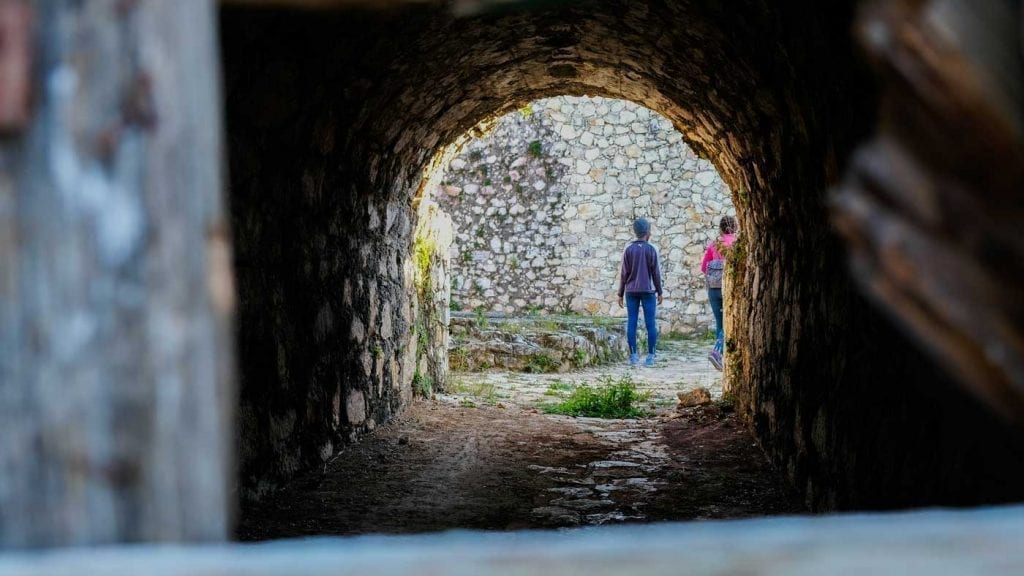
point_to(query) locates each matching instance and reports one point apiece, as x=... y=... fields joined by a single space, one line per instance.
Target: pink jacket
x=712 y=254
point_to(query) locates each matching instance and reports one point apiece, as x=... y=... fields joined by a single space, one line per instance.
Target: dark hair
x=727 y=225
x=641 y=227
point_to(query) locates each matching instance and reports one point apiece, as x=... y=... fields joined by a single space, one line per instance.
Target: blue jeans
x=715 y=298
x=649 y=301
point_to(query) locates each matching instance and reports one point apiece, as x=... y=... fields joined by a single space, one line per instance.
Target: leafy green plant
x=541 y=363
x=480 y=317
x=535 y=149
x=611 y=398
x=423 y=385
x=526 y=111
x=579 y=358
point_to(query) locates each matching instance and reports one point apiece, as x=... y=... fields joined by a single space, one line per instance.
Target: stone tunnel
x=125 y=376
x=334 y=117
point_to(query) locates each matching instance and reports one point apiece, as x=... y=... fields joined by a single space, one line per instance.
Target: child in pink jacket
x=713 y=267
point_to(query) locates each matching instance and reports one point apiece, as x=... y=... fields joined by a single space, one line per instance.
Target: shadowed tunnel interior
x=333 y=117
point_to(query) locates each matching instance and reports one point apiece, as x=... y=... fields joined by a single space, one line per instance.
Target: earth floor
x=486 y=456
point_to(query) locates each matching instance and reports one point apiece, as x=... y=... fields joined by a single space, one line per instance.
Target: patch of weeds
x=511 y=327
x=454 y=306
x=513 y=262
x=526 y=111
x=533 y=309
x=487 y=181
x=579 y=358
x=549 y=173
x=548 y=325
x=727 y=403
x=475 y=155
x=558 y=388
x=377 y=351
x=483 y=391
x=458 y=359
x=535 y=149
x=480 y=316
x=541 y=363
x=608 y=322
x=611 y=398
x=423 y=385
x=506 y=180
x=467 y=403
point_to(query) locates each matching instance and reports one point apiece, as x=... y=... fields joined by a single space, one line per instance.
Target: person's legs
x=632 y=315
x=715 y=298
x=650 y=304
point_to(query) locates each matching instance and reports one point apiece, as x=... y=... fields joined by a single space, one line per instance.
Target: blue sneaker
x=716 y=359
x=649 y=362
x=634 y=359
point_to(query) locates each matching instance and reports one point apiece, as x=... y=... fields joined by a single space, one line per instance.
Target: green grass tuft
x=609 y=399
x=541 y=363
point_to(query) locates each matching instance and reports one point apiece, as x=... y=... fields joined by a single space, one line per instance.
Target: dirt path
x=486 y=458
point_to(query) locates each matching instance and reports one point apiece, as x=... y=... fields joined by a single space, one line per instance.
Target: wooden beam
x=931 y=207
x=115 y=283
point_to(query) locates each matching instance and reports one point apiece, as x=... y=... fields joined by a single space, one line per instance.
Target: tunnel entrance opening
x=333 y=118
x=520 y=221
x=118 y=370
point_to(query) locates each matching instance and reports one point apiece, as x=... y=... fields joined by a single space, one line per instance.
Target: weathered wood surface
x=115 y=283
x=15 y=64
x=933 y=543
x=933 y=207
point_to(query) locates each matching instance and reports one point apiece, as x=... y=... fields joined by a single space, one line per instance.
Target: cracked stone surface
x=486 y=457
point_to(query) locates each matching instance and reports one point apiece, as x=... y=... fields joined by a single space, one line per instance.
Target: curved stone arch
x=351 y=108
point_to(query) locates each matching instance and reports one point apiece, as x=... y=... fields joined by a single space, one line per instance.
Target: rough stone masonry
x=542 y=207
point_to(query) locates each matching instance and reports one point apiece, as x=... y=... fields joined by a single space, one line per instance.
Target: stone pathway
x=618 y=488
x=486 y=456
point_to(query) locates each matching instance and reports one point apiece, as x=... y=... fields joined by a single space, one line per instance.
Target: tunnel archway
x=332 y=118
x=541 y=208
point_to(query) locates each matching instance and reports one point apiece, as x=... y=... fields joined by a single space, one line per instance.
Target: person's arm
x=623 y=274
x=709 y=255
x=656 y=273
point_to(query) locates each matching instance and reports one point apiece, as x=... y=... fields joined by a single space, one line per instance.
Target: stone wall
x=432 y=278
x=333 y=119
x=534 y=343
x=542 y=207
